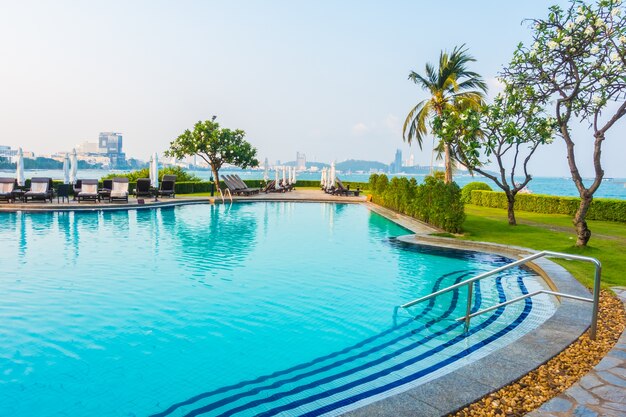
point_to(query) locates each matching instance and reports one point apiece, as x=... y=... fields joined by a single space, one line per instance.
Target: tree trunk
x=511 y=209
x=582 y=230
x=216 y=178
x=448 y=163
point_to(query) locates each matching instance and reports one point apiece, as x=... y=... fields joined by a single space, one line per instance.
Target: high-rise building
x=110 y=143
x=396 y=165
x=300 y=161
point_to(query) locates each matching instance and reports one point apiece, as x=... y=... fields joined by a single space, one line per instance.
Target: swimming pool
x=253 y=309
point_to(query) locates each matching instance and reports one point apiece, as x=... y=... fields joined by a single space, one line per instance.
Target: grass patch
x=443 y=234
x=548 y=232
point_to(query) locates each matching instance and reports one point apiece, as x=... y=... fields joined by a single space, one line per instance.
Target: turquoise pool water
x=254 y=309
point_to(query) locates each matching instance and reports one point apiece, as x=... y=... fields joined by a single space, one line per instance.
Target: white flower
x=567 y=40
x=622 y=39
x=572 y=49
x=580 y=9
x=553 y=44
x=580 y=18
x=595 y=49
x=463 y=117
x=615 y=57
x=445 y=124
x=599 y=22
x=616 y=12
x=589 y=30
x=597 y=100
x=570 y=25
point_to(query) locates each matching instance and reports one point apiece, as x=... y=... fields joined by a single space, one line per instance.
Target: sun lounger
x=234 y=187
x=143 y=188
x=119 y=192
x=272 y=188
x=243 y=186
x=40 y=189
x=168 y=184
x=7 y=187
x=88 y=191
x=341 y=190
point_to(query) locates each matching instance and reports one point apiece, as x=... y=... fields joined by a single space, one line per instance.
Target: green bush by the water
x=601 y=208
x=466 y=191
x=133 y=176
x=434 y=201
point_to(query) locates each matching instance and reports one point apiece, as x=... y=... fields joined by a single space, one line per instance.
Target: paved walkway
x=602 y=392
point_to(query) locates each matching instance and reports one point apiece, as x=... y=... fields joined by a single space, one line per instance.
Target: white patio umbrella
x=66 y=169
x=332 y=175
x=19 y=169
x=284 y=176
x=276 y=180
x=323 y=178
x=73 y=167
x=294 y=176
x=154 y=171
x=266 y=173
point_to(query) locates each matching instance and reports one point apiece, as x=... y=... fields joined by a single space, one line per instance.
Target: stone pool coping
x=458 y=388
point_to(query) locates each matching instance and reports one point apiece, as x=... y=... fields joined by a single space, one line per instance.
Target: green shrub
x=601 y=208
x=433 y=202
x=466 y=192
x=133 y=176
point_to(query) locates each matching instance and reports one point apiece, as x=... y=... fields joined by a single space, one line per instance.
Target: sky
x=325 y=78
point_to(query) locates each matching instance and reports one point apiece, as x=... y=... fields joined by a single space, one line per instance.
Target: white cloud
x=360 y=129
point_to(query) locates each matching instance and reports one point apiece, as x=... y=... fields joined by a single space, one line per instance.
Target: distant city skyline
x=325 y=79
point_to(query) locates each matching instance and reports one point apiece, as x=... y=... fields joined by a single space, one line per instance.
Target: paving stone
x=608 y=363
x=615 y=406
x=581 y=396
x=397 y=405
x=557 y=405
x=619 y=371
x=612 y=379
x=539 y=413
x=582 y=411
x=610 y=393
x=589 y=381
x=616 y=353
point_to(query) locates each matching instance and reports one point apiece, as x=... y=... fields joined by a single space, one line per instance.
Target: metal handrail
x=468 y=314
x=230 y=195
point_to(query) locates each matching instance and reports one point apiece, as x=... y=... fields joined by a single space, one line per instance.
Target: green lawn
x=554 y=232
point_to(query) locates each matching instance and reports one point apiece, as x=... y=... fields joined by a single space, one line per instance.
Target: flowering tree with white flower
x=215 y=145
x=578 y=64
x=509 y=130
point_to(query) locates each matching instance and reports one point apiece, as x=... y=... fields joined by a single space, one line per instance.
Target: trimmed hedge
x=466 y=191
x=601 y=208
x=433 y=202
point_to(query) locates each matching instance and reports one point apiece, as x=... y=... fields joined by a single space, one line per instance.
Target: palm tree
x=452 y=85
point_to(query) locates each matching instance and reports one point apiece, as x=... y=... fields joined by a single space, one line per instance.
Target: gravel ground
x=560 y=372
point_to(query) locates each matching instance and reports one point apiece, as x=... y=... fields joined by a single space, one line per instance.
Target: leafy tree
x=215 y=145
x=578 y=64
x=509 y=130
x=450 y=86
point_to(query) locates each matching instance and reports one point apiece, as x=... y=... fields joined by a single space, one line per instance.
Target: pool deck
x=468 y=384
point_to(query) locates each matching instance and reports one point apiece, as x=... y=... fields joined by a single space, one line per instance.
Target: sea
x=562 y=186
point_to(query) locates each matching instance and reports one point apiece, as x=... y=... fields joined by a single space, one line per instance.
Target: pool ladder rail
x=470 y=289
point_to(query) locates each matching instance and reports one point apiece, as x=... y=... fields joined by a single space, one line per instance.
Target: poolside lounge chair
x=341 y=190
x=143 y=188
x=272 y=188
x=119 y=192
x=168 y=184
x=88 y=191
x=40 y=189
x=234 y=187
x=77 y=188
x=243 y=186
x=7 y=186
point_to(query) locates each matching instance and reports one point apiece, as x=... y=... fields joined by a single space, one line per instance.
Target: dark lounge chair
x=40 y=189
x=341 y=190
x=63 y=193
x=143 y=188
x=105 y=191
x=7 y=187
x=234 y=187
x=88 y=191
x=77 y=188
x=119 y=191
x=272 y=188
x=243 y=186
x=168 y=184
